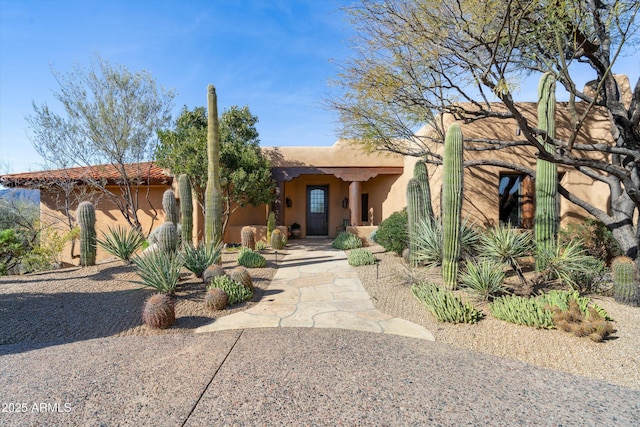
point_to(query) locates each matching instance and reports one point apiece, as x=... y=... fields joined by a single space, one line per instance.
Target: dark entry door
x=317 y=210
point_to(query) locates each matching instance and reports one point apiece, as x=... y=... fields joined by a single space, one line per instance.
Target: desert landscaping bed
x=104 y=300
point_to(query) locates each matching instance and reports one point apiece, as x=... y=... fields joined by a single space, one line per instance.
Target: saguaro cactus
x=546 y=215
x=451 y=204
x=271 y=225
x=186 y=208
x=421 y=175
x=170 y=206
x=86 y=216
x=415 y=214
x=213 y=193
x=626 y=289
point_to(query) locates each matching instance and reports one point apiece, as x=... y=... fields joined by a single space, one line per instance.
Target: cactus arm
x=452 y=204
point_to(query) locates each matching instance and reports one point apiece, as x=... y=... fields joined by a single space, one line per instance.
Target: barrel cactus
x=159 y=311
x=248 y=238
x=213 y=193
x=625 y=283
x=216 y=299
x=86 y=216
x=452 y=172
x=186 y=208
x=278 y=241
x=546 y=215
x=211 y=272
x=170 y=206
x=167 y=237
x=242 y=276
x=415 y=214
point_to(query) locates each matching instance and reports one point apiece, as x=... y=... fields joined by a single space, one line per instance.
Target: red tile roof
x=148 y=172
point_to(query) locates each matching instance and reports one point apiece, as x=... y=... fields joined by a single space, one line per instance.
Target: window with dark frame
x=364 y=216
x=516 y=194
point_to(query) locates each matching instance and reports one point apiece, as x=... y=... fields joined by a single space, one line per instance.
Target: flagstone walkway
x=315 y=287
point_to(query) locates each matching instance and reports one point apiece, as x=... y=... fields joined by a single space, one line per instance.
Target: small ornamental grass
x=444 y=304
x=236 y=292
x=361 y=256
x=121 y=242
x=251 y=259
x=484 y=279
x=346 y=241
x=198 y=259
x=159 y=270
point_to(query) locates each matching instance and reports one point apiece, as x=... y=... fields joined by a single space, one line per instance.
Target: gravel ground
x=616 y=360
x=79 y=304
x=104 y=300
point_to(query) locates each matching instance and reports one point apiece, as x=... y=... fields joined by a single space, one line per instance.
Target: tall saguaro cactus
x=415 y=214
x=546 y=214
x=421 y=174
x=451 y=204
x=186 y=208
x=170 y=206
x=86 y=216
x=213 y=194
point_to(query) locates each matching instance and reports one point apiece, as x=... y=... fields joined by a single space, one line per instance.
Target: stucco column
x=355 y=201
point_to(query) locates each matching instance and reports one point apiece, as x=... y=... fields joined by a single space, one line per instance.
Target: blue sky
x=273 y=55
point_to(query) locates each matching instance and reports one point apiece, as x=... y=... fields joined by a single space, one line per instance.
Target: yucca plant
x=506 y=244
x=159 y=270
x=197 y=259
x=121 y=242
x=484 y=278
x=568 y=264
x=429 y=240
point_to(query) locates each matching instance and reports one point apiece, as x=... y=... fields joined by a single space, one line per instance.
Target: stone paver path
x=315 y=287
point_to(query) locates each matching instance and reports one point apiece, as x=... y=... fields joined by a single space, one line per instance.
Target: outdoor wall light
x=288 y=202
x=345 y=202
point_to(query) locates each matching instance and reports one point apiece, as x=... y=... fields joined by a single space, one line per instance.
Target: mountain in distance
x=24 y=194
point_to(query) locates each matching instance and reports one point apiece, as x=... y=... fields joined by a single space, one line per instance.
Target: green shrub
x=361 y=257
x=121 y=242
x=346 y=241
x=236 y=292
x=198 y=259
x=594 y=237
x=483 y=278
x=444 y=305
x=251 y=259
x=392 y=233
x=522 y=311
x=159 y=270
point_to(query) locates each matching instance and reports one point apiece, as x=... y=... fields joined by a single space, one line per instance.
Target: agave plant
x=569 y=264
x=484 y=278
x=197 y=259
x=506 y=244
x=429 y=241
x=159 y=270
x=121 y=242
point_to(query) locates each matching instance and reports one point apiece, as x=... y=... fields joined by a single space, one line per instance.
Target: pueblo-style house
x=330 y=189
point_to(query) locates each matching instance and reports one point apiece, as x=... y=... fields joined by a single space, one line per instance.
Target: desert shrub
x=236 y=292
x=159 y=270
x=444 y=304
x=198 y=259
x=361 y=257
x=346 y=241
x=251 y=259
x=261 y=245
x=392 y=233
x=121 y=242
x=483 y=278
x=522 y=311
x=594 y=237
x=372 y=236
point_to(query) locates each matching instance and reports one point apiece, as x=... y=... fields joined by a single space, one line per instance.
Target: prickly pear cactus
x=626 y=289
x=451 y=204
x=248 y=238
x=86 y=216
x=546 y=215
x=186 y=208
x=213 y=193
x=170 y=206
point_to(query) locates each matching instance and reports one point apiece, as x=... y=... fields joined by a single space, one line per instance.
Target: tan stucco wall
x=150 y=215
